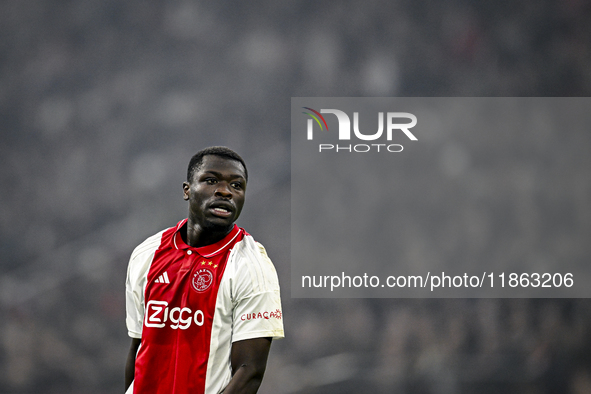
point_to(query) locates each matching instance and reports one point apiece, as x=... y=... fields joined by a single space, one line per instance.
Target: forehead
x=222 y=165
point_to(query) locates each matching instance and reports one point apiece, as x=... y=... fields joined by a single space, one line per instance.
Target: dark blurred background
x=102 y=103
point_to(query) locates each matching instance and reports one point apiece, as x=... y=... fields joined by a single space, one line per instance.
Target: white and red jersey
x=188 y=305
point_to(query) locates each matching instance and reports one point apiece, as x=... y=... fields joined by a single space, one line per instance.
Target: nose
x=223 y=190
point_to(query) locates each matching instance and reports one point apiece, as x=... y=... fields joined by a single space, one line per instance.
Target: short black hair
x=222 y=151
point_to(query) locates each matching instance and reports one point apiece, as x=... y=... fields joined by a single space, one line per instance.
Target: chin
x=219 y=225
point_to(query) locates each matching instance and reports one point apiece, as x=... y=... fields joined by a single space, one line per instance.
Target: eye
x=237 y=185
x=211 y=181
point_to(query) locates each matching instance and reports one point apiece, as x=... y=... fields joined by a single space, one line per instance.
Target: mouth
x=222 y=209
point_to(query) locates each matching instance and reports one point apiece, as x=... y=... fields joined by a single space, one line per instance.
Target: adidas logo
x=162 y=278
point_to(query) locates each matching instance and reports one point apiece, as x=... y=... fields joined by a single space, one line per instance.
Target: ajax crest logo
x=396 y=122
x=202 y=279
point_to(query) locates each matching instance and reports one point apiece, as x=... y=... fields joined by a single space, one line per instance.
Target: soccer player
x=202 y=297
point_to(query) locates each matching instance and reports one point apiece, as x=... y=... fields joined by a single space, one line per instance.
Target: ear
x=186 y=188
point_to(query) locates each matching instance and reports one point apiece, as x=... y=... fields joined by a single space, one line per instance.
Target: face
x=216 y=192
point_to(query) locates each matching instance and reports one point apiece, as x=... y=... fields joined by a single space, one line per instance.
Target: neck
x=198 y=236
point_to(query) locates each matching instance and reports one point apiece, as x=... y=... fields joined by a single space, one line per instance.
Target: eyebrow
x=220 y=175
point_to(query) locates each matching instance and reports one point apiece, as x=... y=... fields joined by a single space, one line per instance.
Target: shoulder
x=152 y=243
x=249 y=251
x=142 y=255
x=252 y=265
x=148 y=246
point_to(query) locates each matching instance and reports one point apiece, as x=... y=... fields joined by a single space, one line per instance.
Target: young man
x=202 y=297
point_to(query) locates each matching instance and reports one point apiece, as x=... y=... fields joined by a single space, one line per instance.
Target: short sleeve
x=257 y=309
x=134 y=308
x=135 y=284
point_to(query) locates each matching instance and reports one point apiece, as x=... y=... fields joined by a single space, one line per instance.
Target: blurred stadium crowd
x=102 y=103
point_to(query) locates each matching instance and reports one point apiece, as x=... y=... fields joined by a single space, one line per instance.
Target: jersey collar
x=207 y=250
